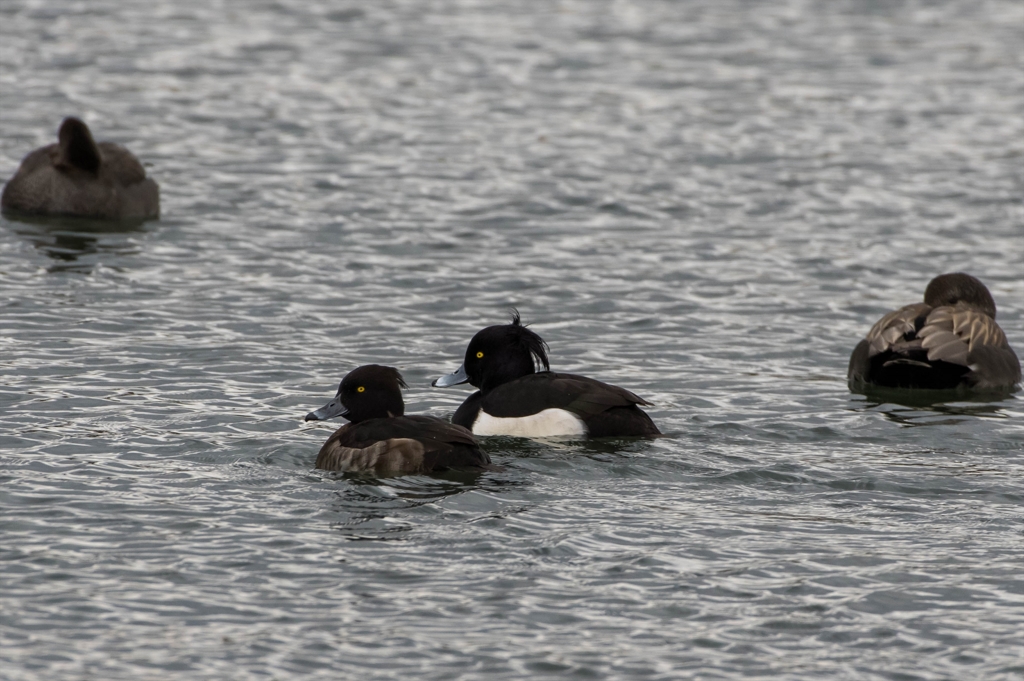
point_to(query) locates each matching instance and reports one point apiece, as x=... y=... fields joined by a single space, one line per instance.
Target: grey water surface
x=705 y=202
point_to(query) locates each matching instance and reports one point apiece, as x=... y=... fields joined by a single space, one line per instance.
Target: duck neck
x=384 y=406
x=506 y=372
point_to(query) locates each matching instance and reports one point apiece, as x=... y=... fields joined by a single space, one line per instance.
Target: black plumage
x=502 y=361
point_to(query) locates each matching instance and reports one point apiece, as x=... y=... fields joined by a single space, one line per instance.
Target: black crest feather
x=530 y=340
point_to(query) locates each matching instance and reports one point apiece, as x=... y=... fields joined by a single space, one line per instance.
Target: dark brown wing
x=896 y=330
x=121 y=164
x=43 y=157
x=919 y=346
x=445 y=445
x=386 y=457
x=31 y=186
x=399 y=445
x=950 y=333
x=436 y=430
x=960 y=335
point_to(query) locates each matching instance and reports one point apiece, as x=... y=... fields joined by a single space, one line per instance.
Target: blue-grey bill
x=455 y=378
x=328 y=411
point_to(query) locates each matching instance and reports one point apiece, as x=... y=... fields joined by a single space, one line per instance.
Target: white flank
x=547 y=423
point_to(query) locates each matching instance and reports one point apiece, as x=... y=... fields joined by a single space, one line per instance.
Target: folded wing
x=580 y=395
x=921 y=346
x=404 y=444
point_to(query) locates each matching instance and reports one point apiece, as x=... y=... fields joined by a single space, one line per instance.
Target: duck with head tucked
x=78 y=177
x=951 y=341
x=516 y=399
x=381 y=440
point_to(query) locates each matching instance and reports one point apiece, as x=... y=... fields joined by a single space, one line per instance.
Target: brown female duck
x=78 y=177
x=950 y=341
x=381 y=440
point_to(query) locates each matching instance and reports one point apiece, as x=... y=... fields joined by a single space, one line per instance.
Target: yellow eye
x=479 y=355
x=360 y=389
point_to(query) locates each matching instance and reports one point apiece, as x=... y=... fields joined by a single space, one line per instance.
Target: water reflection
x=934 y=407
x=374 y=509
x=414 y=489
x=74 y=243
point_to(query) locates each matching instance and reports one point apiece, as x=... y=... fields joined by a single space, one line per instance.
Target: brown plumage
x=949 y=341
x=381 y=440
x=400 y=445
x=78 y=177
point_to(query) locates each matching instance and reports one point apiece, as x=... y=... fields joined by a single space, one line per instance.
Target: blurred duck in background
x=80 y=178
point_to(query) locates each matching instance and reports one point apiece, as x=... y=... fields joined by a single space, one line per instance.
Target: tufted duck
x=515 y=399
x=379 y=439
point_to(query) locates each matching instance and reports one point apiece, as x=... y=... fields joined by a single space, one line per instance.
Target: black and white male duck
x=950 y=341
x=516 y=399
x=381 y=440
x=78 y=177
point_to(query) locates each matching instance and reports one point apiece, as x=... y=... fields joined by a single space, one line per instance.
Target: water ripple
x=706 y=203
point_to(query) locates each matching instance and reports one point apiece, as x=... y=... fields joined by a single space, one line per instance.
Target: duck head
x=950 y=289
x=497 y=355
x=369 y=392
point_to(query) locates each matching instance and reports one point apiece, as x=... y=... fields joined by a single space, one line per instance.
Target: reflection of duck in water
x=949 y=341
x=79 y=177
x=77 y=243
